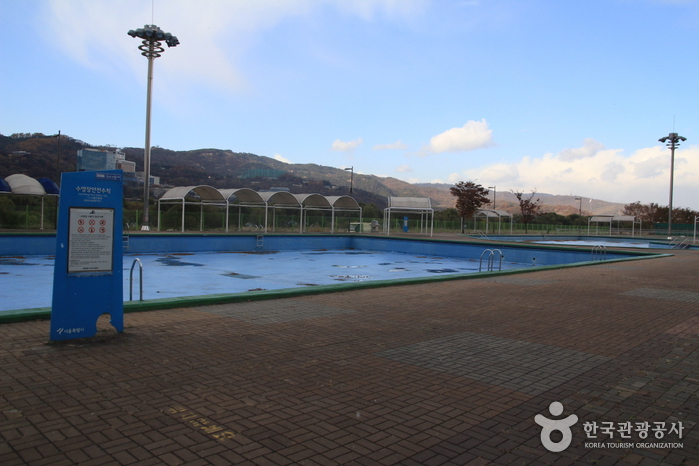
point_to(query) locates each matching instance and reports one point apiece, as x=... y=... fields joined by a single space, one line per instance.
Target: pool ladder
x=599 y=252
x=260 y=242
x=481 y=235
x=490 y=265
x=140 y=281
x=676 y=244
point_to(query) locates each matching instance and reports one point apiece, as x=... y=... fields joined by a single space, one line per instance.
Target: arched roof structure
x=493 y=214
x=204 y=193
x=409 y=205
x=22 y=184
x=245 y=197
x=26 y=186
x=597 y=219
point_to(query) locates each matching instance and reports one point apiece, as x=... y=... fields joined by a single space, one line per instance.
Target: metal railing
x=490 y=265
x=599 y=252
x=140 y=276
x=677 y=244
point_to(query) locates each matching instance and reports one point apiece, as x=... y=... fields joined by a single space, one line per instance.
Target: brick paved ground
x=446 y=373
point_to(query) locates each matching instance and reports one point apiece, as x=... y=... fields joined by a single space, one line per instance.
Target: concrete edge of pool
x=44 y=313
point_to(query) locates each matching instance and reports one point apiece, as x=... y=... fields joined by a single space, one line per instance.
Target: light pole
x=58 y=160
x=495 y=193
x=579 y=199
x=151 y=49
x=351 y=169
x=672 y=141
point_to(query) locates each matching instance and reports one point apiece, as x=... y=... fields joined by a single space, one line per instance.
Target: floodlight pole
x=351 y=169
x=151 y=48
x=672 y=141
x=579 y=199
x=495 y=193
x=58 y=160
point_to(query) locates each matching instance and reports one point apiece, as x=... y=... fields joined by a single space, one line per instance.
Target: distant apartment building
x=154 y=180
x=92 y=159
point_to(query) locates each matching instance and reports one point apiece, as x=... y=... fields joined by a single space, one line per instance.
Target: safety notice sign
x=90 y=240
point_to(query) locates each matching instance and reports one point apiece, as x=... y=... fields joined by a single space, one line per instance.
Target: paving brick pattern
x=672 y=295
x=526 y=367
x=383 y=376
x=274 y=312
x=521 y=281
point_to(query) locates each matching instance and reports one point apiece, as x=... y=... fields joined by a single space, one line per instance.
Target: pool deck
x=451 y=372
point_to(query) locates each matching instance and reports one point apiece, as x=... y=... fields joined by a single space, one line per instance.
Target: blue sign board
x=88 y=271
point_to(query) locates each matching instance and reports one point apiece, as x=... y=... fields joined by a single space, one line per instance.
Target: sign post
x=88 y=270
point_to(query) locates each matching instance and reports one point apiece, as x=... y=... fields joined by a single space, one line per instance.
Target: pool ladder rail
x=140 y=281
x=490 y=265
x=599 y=252
x=677 y=244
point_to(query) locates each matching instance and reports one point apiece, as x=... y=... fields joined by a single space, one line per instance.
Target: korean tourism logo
x=607 y=434
x=548 y=426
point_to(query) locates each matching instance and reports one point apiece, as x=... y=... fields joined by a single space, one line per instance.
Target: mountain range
x=36 y=155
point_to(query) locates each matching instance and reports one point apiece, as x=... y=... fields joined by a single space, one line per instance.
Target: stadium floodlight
x=672 y=140
x=151 y=48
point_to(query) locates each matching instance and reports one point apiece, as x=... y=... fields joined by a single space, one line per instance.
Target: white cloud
x=589 y=149
x=600 y=173
x=473 y=135
x=215 y=35
x=281 y=158
x=404 y=169
x=346 y=146
x=393 y=146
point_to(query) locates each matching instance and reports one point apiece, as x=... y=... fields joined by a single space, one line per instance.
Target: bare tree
x=469 y=197
x=529 y=208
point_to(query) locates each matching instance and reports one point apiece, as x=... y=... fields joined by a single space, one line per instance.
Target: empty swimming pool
x=608 y=241
x=194 y=265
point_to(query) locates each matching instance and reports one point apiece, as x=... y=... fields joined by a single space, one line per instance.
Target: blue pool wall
x=16 y=245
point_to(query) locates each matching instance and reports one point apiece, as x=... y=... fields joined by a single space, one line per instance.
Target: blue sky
x=565 y=97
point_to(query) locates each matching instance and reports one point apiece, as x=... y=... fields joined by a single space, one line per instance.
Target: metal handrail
x=599 y=252
x=140 y=276
x=491 y=260
x=683 y=245
x=481 y=234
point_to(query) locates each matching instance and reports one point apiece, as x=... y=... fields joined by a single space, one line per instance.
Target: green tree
x=469 y=197
x=529 y=208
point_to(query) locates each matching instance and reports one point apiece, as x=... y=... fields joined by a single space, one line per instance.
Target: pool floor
x=27 y=281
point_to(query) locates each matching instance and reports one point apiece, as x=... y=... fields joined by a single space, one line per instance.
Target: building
x=154 y=180
x=93 y=159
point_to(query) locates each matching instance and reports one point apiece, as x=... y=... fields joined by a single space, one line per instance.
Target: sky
x=561 y=97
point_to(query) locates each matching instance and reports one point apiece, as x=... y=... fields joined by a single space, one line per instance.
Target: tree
x=469 y=197
x=529 y=208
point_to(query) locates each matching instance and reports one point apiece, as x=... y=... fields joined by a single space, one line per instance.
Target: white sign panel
x=90 y=240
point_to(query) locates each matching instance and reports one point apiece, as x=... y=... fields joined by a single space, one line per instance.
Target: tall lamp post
x=672 y=141
x=151 y=48
x=351 y=169
x=579 y=199
x=495 y=193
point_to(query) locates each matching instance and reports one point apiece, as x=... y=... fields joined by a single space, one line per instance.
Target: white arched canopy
x=202 y=195
x=619 y=219
x=280 y=200
x=409 y=205
x=245 y=197
x=27 y=186
x=498 y=215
